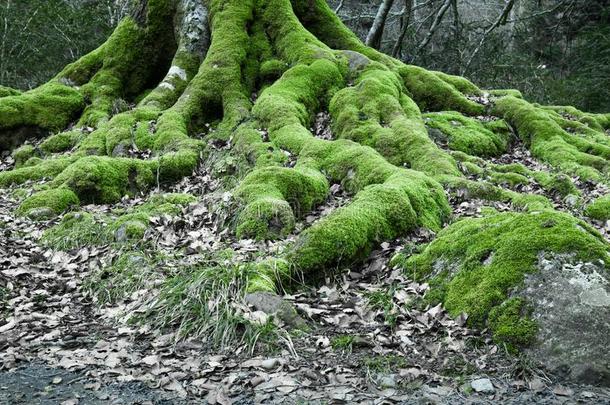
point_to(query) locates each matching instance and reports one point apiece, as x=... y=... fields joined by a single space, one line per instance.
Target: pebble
x=483 y=385
x=270 y=364
x=387 y=381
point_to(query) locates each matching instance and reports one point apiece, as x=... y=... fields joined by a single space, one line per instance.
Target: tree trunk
x=179 y=78
x=373 y=38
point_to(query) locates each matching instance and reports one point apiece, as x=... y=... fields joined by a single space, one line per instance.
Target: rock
x=483 y=385
x=41 y=213
x=387 y=381
x=273 y=304
x=563 y=391
x=270 y=364
x=571 y=306
x=571 y=200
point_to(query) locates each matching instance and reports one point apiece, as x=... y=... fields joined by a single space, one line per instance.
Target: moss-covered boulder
x=492 y=269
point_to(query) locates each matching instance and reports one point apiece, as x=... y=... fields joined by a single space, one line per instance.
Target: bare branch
x=501 y=20
x=437 y=22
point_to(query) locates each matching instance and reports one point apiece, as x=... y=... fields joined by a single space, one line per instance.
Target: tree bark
x=373 y=39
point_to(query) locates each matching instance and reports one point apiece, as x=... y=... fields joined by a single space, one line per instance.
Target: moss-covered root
x=274 y=196
x=474 y=264
x=432 y=91
x=376 y=112
x=405 y=201
x=550 y=143
x=469 y=135
x=50 y=107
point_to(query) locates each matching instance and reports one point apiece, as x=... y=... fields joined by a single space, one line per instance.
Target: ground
x=369 y=336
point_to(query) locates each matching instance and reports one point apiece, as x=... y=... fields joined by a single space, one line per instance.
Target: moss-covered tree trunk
x=258 y=71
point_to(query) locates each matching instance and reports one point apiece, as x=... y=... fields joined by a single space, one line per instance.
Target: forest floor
x=368 y=337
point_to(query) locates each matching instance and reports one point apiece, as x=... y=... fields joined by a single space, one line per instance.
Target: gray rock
x=273 y=304
x=356 y=61
x=571 y=305
x=483 y=385
x=270 y=364
x=41 y=213
x=387 y=381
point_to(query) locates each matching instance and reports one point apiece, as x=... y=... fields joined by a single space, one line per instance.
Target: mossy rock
x=484 y=267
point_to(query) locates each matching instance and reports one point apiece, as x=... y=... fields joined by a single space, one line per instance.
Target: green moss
x=126 y=60
x=375 y=112
x=405 y=201
x=506 y=92
x=273 y=196
x=512 y=324
x=547 y=140
x=432 y=93
x=599 y=209
x=57 y=200
x=51 y=107
x=508 y=178
x=469 y=135
x=7 y=91
x=470 y=168
x=272 y=70
x=20 y=193
x=61 y=142
x=474 y=264
x=268 y=275
x=176 y=165
x=104 y=179
x=23 y=154
x=47 y=168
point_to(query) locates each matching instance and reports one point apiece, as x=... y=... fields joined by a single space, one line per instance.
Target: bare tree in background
x=373 y=39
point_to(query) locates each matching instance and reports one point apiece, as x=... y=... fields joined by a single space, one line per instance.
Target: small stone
x=41 y=213
x=270 y=364
x=387 y=381
x=571 y=200
x=256 y=381
x=587 y=394
x=57 y=380
x=483 y=385
x=563 y=391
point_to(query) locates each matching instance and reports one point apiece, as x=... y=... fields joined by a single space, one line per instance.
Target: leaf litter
x=370 y=339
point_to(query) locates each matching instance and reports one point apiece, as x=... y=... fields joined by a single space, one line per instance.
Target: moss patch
x=599 y=209
x=57 y=200
x=469 y=135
